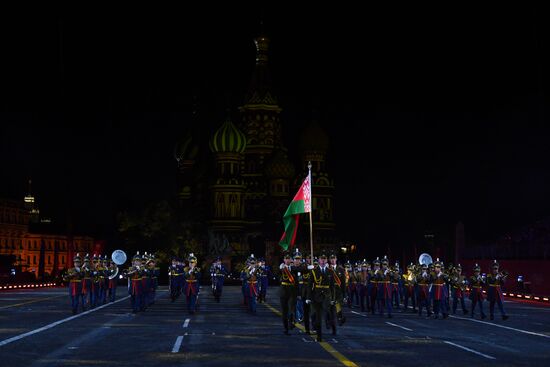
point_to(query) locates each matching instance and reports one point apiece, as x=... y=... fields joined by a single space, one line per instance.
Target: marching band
x=311 y=294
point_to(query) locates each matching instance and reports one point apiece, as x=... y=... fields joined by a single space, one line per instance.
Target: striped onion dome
x=228 y=139
x=185 y=149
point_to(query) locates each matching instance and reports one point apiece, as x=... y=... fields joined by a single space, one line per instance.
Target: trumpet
x=502 y=274
x=131 y=270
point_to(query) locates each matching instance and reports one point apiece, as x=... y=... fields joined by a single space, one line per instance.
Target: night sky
x=435 y=114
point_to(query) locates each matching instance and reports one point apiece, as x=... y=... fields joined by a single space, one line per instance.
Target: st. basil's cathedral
x=232 y=196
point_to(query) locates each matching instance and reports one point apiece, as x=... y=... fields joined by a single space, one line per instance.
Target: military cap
x=385 y=260
x=377 y=261
x=192 y=258
x=137 y=256
x=477 y=267
x=77 y=257
x=286 y=255
x=495 y=264
x=297 y=254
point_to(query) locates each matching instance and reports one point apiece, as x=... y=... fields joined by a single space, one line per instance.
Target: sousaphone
x=425 y=259
x=119 y=257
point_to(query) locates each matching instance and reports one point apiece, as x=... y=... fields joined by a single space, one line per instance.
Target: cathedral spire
x=262 y=48
x=259 y=91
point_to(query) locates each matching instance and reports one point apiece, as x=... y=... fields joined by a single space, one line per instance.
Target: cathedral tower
x=227 y=220
x=260 y=122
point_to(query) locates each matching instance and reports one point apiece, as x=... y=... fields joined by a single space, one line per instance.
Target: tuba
x=119 y=257
x=113 y=275
x=425 y=259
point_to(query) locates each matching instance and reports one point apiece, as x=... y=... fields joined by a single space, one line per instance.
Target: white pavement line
x=54 y=324
x=399 y=326
x=469 y=350
x=186 y=323
x=357 y=313
x=177 y=344
x=502 y=326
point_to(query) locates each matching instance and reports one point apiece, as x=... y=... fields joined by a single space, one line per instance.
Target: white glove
x=308 y=301
x=332 y=303
x=309 y=267
x=282 y=266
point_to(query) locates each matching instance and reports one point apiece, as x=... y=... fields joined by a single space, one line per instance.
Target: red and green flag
x=300 y=204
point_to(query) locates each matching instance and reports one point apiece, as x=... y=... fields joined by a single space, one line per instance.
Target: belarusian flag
x=300 y=204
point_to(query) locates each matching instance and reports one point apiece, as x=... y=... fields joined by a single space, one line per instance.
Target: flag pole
x=310 y=210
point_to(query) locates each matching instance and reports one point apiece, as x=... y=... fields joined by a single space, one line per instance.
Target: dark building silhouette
x=233 y=195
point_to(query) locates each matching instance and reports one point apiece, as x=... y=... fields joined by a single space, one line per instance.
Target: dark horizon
x=433 y=118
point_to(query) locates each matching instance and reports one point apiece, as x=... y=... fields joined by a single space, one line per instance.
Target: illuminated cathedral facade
x=233 y=200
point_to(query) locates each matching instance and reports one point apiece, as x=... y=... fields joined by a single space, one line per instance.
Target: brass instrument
x=71 y=274
x=119 y=257
x=113 y=272
x=131 y=270
x=502 y=274
x=425 y=259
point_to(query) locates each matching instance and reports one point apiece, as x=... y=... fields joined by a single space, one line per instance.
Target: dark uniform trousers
x=287 y=295
x=321 y=293
x=303 y=293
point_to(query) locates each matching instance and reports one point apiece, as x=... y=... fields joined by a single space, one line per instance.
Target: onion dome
x=314 y=138
x=228 y=139
x=185 y=149
x=279 y=166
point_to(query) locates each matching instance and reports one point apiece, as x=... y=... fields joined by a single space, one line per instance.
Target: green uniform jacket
x=339 y=275
x=289 y=282
x=321 y=287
